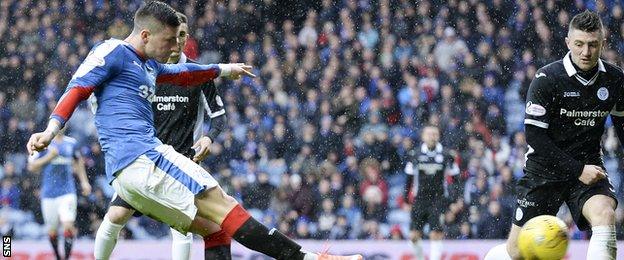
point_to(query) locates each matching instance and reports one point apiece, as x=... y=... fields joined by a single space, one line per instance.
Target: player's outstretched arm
x=103 y=62
x=191 y=74
x=36 y=162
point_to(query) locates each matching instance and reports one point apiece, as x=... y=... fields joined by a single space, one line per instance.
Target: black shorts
x=118 y=201
x=538 y=196
x=427 y=211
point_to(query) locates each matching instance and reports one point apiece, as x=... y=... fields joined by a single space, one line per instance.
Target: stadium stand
x=315 y=144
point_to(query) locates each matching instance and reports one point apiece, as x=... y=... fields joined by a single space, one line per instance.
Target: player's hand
x=86 y=188
x=202 y=148
x=39 y=141
x=591 y=174
x=237 y=70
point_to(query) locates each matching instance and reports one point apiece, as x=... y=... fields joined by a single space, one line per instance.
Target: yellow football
x=543 y=237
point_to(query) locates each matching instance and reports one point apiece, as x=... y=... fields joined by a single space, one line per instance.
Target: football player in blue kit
x=57 y=166
x=152 y=177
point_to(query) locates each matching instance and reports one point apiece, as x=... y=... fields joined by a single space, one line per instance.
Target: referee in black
x=179 y=118
x=567 y=106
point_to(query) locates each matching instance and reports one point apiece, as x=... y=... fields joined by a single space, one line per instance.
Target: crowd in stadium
x=315 y=145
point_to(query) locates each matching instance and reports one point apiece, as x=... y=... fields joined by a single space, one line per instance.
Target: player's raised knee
x=604 y=215
x=119 y=215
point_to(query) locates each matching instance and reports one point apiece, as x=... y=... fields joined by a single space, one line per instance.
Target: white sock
x=435 y=250
x=105 y=239
x=181 y=245
x=418 y=250
x=602 y=243
x=498 y=252
x=310 y=256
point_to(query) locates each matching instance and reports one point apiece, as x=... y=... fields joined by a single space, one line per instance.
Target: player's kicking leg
x=216 y=241
x=170 y=187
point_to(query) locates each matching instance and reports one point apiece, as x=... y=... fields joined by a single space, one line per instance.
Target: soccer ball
x=543 y=237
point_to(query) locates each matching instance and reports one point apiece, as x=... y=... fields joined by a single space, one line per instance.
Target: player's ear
x=144 y=35
x=567 y=42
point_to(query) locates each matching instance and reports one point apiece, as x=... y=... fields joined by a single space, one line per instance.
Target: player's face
x=430 y=136
x=182 y=37
x=161 y=44
x=585 y=47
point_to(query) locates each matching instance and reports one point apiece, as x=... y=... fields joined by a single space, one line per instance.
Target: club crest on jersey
x=603 y=93
x=534 y=109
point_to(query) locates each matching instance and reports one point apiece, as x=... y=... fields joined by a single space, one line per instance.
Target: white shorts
x=62 y=207
x=162 y=184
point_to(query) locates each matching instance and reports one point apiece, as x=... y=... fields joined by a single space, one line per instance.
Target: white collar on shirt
x=569 y=67
x=425 y=149
x=182 y=58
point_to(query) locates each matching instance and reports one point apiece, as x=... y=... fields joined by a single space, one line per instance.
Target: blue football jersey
x=57 y=177
x=123 y=85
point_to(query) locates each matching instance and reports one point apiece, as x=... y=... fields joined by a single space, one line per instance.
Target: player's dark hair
x=155 y=11
x=587 y=21
x=182 y=17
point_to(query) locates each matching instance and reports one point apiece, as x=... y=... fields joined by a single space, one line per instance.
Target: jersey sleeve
x=618 y=108
x=617 y=117
x=186 y=74
x=101 y=64
x=539 y=101
x=214 y=104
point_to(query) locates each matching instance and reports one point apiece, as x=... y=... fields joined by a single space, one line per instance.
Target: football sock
x=69 y=242
x=105 y=239
x=602 y=243
x=54 y=241
x=435 y=250
x=249 y=232
x=217 y=246
x=418 y=250
x=181 y=245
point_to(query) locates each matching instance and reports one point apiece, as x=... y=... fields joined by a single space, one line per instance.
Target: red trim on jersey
x=70 y=100
x=188 y=78
x=234 y=220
